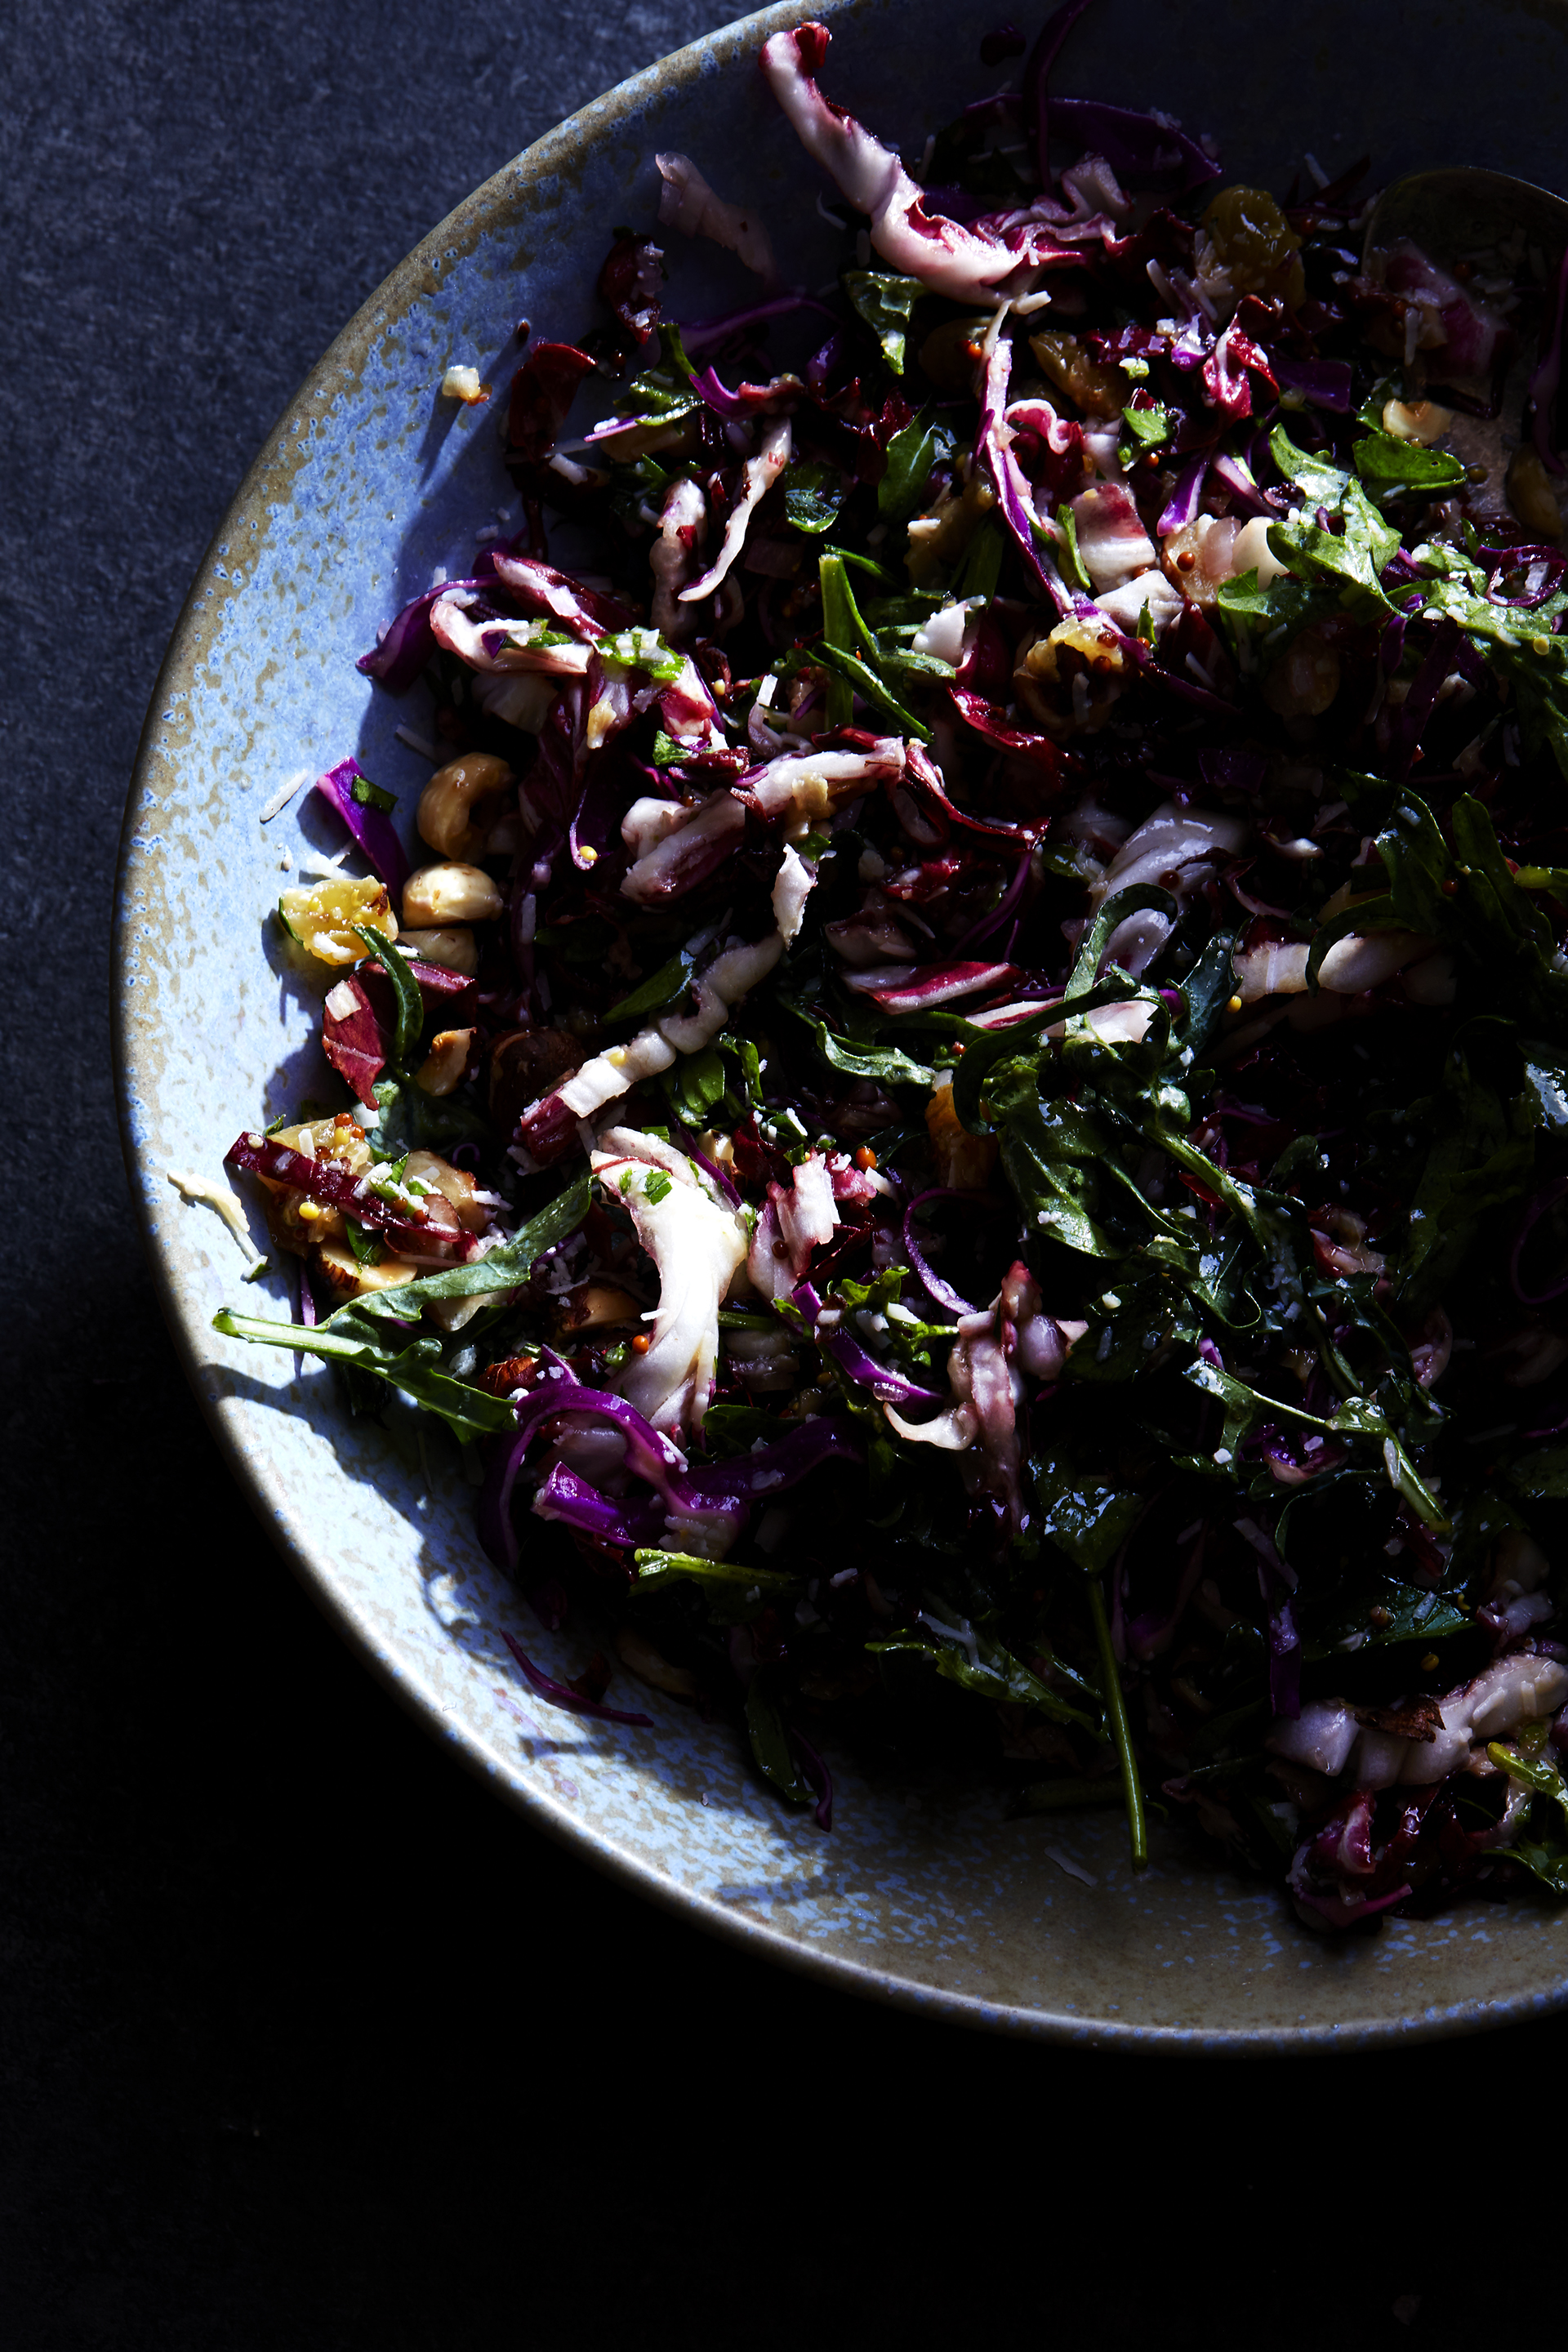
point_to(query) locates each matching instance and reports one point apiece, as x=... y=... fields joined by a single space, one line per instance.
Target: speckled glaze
x=923 y=1894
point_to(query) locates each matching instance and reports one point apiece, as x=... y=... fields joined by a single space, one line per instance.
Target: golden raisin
x=1257 y=243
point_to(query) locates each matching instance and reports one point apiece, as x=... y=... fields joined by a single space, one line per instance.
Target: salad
x=966 y=1117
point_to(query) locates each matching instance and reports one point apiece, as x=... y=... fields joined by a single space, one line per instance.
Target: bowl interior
x=367 y=486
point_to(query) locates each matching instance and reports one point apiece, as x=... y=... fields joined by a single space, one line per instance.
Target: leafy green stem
x=1120 y=1732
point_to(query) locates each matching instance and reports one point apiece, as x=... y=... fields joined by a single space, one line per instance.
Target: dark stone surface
x=308 y=2042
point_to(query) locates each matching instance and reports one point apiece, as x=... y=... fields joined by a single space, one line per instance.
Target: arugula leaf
x=814 y=493
x=658 y=1567
x=981 y=568
x=1482 y=1160
x=643 y=650
x=913 y=450
x=1120 y=1732
x=371 y=795
x=731 y=1428
x=769 y=1736
x=867 y=563
x=1548 y=1860
x=886 y=304
x=665 y=392
x=1537 y=1772
x=1205 y=991
x=1318 y=478
x=408 y=1119
x=1522 y=644
x=1085 y=1518
x=1068 y=560
x=410 y=1005
x=1274 y=614
x=1370 y=413
x=691 y=1087
x=1394 y=469
x=1352 y=559
x=1411 y=1612
x=368 y=1247
x=994 y=1672
x=859 y=679
x=1149 y=427
x=502 y=1268
x=842 y=631
x=1248 y=1408
x=414 y=1366
x=886 y=1063
x=662 y=989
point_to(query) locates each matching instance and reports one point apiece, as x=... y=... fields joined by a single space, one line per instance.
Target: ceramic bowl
x=923 y=1894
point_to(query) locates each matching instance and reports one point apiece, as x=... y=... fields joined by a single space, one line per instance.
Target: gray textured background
x=307 y=2042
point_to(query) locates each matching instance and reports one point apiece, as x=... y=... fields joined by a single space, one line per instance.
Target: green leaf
x=981 y=568
x=1068 y=560
x=1370 y=413
x=1087 y=1520
x=408 y=1119
x=886 y=305
x=1391 y=467
x=1207 y=991
x=1413 y=1614
x=769 y=1735
x=643 y=650
x=368 y=1247
x=665 y=392
x=1482 y=1160
x=812 y=494
x=664 y=988
x=859 y=679
x=897 y=662
x=1316 y=477
x=731 y=1428
x=413 y=1366
x=884 y=1063
x=371 y=795
x=913 y=450
x=692 y=1085
x=410 y=1018
x=659 y=1568
x=500 y=1269
x=1537 y=1772
x=1120 y=1732
x=868 y=564
x=993 y=1672
x=1149 y=427
x=1349 y=560
x=843 y=632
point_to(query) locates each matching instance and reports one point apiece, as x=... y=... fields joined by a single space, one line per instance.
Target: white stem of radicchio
x=452 y=627
x=719 y=990
x=686 y=202
x=1511 y=1691
x=675 y=850
x=944 y=256
x=696 y=1242
x=1176 y=850
x=682 y=527
x=982 y=1423
x=760 y=473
